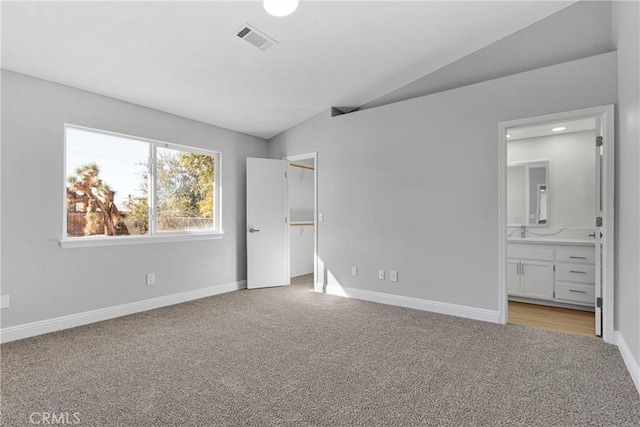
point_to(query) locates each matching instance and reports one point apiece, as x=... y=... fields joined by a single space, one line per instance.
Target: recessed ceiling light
x=508 y=136
x=280 y=8
x=559 y=129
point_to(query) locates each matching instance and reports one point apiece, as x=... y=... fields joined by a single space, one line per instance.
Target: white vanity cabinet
x=530 y=272
x=514 y=286
x=575 y=276
x=560 y=273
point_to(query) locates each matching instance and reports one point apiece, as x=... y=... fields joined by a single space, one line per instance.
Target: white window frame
x=154 y=235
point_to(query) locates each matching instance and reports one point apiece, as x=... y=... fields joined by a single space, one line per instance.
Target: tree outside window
x=110 y=178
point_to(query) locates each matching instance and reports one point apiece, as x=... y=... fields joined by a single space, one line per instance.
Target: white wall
x=571 y=174
x=516 y=197
x=626 y=20
x=301 y=191
x=45 y=281
x=301 y=250
x=413 y=186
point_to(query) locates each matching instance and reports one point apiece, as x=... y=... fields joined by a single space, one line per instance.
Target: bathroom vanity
x=552 y=213
x=547 y=271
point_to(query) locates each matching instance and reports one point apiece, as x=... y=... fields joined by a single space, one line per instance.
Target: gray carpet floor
x=290 y=357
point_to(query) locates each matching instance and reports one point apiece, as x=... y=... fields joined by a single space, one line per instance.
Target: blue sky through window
x=121 y=160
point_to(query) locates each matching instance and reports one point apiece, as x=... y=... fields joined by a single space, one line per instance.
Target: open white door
x=598 y=227
x=267 y=227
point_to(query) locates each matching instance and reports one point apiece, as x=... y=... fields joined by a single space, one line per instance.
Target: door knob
x=254 y=230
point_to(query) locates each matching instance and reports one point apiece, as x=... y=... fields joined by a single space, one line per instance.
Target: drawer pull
x=578 y=257
x=574 y=271
x=578 y=292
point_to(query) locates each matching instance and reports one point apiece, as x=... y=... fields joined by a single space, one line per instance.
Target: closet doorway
x=302 y=197
x=556 y=175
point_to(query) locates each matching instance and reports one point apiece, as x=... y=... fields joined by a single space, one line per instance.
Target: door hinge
x=599 y=141
x=554 y=293
x=599 y=302
x=554 y=267
x=285 y=174
x=285 y=219
x=599 y=221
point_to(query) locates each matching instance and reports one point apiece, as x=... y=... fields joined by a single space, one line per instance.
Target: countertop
x=551 y=241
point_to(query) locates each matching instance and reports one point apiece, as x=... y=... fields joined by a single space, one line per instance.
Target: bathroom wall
x=516 y=195
x=571 y=174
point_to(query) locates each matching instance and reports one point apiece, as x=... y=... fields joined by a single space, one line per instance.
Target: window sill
x=90 y=242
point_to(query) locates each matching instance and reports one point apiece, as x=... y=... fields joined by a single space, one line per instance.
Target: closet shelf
x=295 y=165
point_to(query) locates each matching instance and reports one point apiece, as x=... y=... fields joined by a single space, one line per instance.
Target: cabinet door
x=537 y=279
x=513 y=277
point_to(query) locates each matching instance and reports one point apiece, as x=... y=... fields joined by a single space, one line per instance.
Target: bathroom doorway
x=556 y=221
x=302 y=200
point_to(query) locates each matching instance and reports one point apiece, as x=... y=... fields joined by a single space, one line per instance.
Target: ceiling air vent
x=255 y=37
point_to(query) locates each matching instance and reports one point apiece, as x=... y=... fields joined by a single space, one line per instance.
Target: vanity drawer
x=587 y=257
x=582 y=273
x=574 y=292
x=523 y=252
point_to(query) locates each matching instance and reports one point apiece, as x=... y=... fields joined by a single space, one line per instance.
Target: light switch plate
x=354 y=271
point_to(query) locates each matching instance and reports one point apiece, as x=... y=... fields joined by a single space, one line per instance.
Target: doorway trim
x=317 y=281
x=605 y=116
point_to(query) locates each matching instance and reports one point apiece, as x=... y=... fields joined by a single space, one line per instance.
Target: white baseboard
x=40 y=327
x=629 y=360
x=416 y=303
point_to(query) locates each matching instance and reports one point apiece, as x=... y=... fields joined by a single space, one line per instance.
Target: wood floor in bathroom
x=552 y=318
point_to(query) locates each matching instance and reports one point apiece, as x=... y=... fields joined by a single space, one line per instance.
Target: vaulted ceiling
x=185 y=58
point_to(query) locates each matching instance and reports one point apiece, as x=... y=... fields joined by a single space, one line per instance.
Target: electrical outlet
x=320 y=217
x=354 y=271
x=393 y=275
x=151 y=279
x=381 y=274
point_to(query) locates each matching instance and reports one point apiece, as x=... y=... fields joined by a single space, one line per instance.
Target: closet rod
x=300 y=224
x=295 y=165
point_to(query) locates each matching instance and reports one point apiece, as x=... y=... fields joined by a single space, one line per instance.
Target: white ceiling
x=584 y=29
x=545 y=130
x=184 y=57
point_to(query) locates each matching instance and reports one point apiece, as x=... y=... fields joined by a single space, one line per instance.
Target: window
x=119 y=186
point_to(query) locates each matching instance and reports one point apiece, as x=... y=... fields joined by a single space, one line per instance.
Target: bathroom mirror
x=528 y=193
